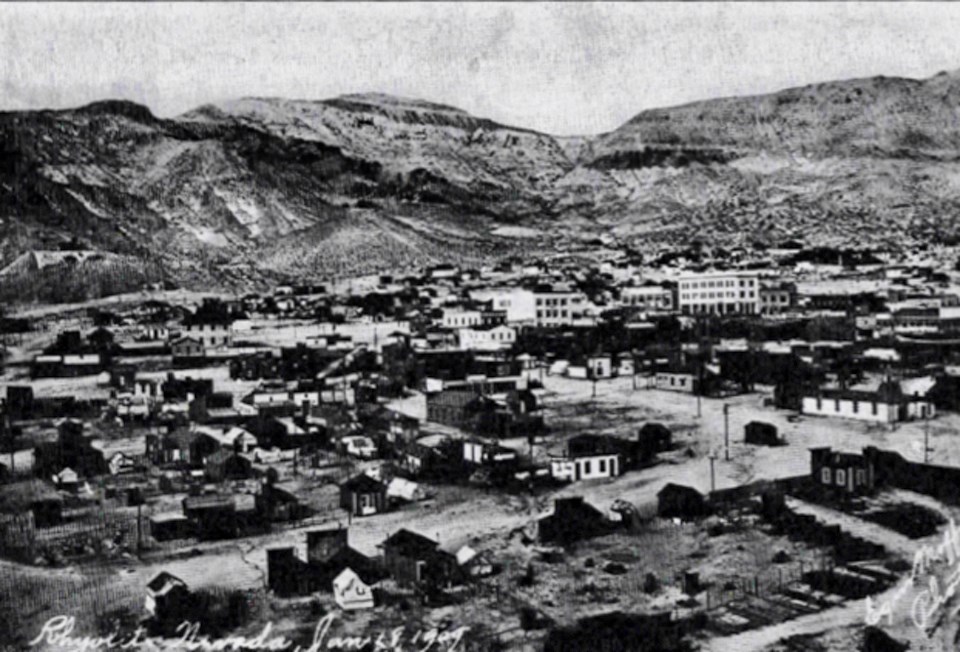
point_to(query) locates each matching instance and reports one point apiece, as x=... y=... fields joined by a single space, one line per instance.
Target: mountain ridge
x=238 y=192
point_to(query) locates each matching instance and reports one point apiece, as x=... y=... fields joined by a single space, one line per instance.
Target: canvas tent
x=350 y=592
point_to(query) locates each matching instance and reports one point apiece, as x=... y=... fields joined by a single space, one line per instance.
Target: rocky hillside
x=261 y=189
x=867 y=161
x=251 y=190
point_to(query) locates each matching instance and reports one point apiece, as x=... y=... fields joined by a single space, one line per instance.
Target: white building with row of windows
x=719 y=293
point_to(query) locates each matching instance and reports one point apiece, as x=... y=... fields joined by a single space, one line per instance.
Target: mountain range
x=262 y=190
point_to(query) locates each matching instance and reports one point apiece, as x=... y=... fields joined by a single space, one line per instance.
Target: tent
x=402 y=489
x=350 y=592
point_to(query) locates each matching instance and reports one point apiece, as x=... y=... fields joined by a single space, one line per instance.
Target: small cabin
x=363 y=496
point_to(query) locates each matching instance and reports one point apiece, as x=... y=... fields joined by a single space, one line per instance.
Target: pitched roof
x=363 y=483
x=164 y=582
x=408 y=542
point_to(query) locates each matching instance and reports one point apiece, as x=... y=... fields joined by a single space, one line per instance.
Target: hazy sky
x=559 y=68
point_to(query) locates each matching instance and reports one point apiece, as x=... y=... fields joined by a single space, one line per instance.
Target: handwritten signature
x=926 y=611
x=59 y=632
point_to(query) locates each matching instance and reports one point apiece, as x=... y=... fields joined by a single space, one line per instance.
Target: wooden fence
x=28 y=599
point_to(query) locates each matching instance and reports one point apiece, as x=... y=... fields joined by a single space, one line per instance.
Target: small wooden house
x=361 y=495
x=654 y=438
x=759 y=433
x=572 y=520
x=412 y=559
x=226 y=465
x=167 y=596
x=170 y=526
x=680 y=501
x=843 y=472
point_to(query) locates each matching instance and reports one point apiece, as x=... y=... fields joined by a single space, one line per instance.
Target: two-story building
x=648 y=298
x=719 y=293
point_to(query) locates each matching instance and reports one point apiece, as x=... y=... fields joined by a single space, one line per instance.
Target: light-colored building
x=558 y=307
x=676 y=381
x=777 y=297
x=719 y=293
x=518 y=303
x=585 y=467
x=649 y=298
x=210 y=335
x=456 y=318
x=882 y=406
x=487 y=339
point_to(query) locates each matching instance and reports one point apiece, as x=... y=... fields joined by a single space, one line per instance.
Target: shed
x=169 y=526
x=759 y=433
x=680 y=501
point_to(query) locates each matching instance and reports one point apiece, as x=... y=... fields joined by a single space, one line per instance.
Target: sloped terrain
x=258 y=190
x=868 y=161
x=237 y=194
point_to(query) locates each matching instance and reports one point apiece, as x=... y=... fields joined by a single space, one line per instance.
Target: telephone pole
x=713 y=477
x=726 y=431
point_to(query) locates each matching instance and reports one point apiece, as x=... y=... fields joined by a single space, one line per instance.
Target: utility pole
x=713 y=477
x=8 y=437
x=139 y=516
x=726 y=431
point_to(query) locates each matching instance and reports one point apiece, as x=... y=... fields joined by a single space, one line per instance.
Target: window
x=861 y=477
x=603 y=466
x=586 y=467
x=825 y=475
x=856 y=407
x=819 y=403
x=873 y=406
x=836 y=405
x=841 y=477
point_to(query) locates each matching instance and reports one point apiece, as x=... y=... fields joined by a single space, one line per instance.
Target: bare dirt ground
x=484 y=520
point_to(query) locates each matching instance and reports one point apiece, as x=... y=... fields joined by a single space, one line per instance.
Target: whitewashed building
x=719 y=293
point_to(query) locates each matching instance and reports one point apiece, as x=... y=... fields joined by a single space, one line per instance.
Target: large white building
x=879 y=407
x=559 y=307
x=719 y=293
x=487 y=339
x=518 y=303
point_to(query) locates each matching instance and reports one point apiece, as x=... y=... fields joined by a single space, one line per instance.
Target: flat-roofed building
x=558 y=307
x=650 y=298
x=719 y=293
